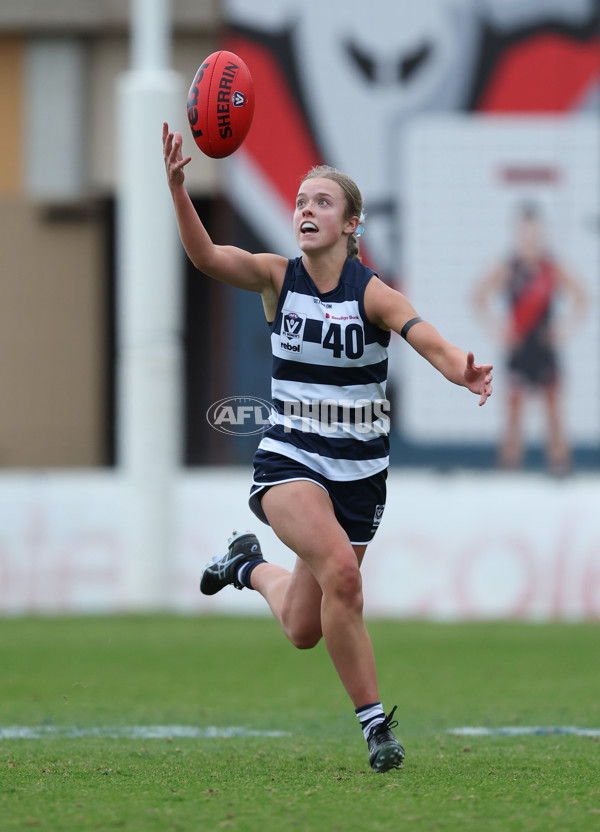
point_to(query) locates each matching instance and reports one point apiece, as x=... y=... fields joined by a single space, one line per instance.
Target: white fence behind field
x=449 y=547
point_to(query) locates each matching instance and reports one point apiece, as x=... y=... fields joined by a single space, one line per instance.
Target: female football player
x=320 y=468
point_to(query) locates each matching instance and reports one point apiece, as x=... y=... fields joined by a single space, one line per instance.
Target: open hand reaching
x=478 y=378
x=173 y=156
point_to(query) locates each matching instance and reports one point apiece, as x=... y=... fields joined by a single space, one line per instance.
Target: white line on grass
x=145 y=732
x=521 y=730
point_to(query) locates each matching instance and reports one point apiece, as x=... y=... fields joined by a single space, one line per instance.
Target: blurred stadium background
x=114 y=489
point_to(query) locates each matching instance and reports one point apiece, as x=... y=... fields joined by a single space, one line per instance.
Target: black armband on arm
x=408 y=325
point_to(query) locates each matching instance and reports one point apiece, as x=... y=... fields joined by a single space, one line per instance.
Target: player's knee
x=344 y=582
x=304 y=639
x=303 y=634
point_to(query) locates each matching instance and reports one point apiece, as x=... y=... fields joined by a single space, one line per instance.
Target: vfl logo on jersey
x=292 y=330
x=292 y=324
x=378 y=515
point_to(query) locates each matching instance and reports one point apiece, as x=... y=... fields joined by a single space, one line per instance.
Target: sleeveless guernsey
x=532 y=291
x=329 y=377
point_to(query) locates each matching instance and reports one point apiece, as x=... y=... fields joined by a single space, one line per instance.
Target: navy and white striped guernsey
x=329 y=377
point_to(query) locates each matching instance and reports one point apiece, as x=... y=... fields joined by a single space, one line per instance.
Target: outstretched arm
x=388 y=309
x=456 y=365
x=232 y=265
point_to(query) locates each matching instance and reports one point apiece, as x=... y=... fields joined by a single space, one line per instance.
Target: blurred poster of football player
x=532 y=286
x=349 y=75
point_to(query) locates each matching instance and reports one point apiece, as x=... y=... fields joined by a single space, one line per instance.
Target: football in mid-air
x=220 y=104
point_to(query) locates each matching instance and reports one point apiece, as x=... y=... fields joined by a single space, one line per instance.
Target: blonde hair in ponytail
x=354 y=200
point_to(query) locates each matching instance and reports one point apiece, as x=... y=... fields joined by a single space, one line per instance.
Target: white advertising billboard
x=466 y=178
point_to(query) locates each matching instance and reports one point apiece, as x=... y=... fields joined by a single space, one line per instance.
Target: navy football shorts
x=358 y=504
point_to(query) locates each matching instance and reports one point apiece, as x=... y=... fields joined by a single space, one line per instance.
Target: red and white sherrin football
x=220 y=104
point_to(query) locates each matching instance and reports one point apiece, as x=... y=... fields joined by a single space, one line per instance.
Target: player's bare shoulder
x=272 y=267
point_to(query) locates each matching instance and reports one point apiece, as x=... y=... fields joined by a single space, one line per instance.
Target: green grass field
x=80 y=687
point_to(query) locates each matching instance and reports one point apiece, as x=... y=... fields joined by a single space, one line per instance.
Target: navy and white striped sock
x=369 y=716
x=245 y=570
